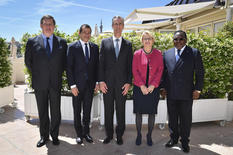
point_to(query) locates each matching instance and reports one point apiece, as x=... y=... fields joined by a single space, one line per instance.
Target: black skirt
x=145 y=104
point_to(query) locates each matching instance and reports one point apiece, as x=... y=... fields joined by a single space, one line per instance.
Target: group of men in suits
x=47 y=56
x=110 y=71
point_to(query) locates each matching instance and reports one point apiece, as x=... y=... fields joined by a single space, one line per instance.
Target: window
x=193 y=30
x=205 y=29
x=218 y=26
x=166 y=31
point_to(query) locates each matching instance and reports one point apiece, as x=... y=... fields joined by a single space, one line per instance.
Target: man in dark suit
x=82 y=74
x=182 y=63
x=115 y=76
x=45 y=58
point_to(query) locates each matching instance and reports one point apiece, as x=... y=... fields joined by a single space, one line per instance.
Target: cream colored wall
x=209 y=17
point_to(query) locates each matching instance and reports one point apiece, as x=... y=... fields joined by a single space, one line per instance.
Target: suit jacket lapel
x=91 y=51
x=55 y=45
x=112 y=47
x=122 y=46
x=80 y=48
x=41 y=41
x=180 y=62
x=172 y=58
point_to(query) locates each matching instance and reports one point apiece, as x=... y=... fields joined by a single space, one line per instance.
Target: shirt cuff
x=73 y=86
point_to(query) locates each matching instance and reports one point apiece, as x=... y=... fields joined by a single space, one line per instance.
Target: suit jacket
x=140 y=61
x=78 y=71
x=113 y=70
x=46 y=72
x=179 y=76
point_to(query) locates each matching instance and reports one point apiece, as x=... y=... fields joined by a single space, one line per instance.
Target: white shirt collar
x=114 y=38
x=83 y=43
x=181 y=51
x=114 y=42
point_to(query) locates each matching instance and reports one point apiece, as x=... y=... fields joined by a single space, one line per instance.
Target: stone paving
x=18 y=137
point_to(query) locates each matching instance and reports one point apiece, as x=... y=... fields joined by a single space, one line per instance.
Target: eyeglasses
x=117 y=24
x=45 y=24
x=147 y=39
x=178 y=39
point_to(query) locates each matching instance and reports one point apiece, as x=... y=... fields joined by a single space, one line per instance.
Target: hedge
x=5 y=64
x=217 y=54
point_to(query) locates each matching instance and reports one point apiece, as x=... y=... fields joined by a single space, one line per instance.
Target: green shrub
x=226 y=36
x=5 y=64
x=216 y=53
x=216 y=59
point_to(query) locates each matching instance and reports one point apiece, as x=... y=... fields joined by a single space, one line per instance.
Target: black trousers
x=45 y=99
x=82 y=102
x=114 y=96
x=180 y=119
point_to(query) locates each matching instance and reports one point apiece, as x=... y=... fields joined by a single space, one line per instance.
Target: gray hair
x=118 y=17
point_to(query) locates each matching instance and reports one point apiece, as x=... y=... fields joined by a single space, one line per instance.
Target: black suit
x=84 y=76
x=47 y=80
x=179 y=84
x=115 y=72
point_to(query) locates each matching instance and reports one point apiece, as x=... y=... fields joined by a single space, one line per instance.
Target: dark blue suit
x=180 y=79
x=47 y=80
x=84 y=76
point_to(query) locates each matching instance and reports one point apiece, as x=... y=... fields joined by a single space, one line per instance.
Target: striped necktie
x=178 y=55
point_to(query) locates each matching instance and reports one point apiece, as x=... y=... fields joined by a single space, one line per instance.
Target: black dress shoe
x=42 y=142
x=185 y=148
x=107 y=140
x=119 y=140
x=171 y=143
x=139 y=139
x=88 y=138
x=149 y=140
x=79 y=140
x=56 y=141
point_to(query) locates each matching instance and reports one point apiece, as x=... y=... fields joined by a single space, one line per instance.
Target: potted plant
x=6 y=87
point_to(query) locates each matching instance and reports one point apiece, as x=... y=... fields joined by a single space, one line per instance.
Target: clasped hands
x=146 y=90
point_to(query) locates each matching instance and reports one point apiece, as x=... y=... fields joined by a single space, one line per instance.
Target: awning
x=167 y=12
x=148 y=26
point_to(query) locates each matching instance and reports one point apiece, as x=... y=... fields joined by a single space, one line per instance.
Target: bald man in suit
x=181 y=64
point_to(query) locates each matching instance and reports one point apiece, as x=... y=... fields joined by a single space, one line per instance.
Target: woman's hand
x=151 y=88
x=144 y=90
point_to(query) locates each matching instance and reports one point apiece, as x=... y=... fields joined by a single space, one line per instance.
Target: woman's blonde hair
x=147 y=33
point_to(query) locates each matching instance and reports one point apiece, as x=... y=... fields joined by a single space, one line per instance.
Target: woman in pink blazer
x=147 y=72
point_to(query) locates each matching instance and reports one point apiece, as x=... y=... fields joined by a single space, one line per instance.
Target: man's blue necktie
x=178 y=55
x=86 y=53
x=117 y=48
x=48 y=50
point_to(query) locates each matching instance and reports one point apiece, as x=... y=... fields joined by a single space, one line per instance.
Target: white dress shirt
x=83 y=46
x=181 y=51
x=119 y=42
